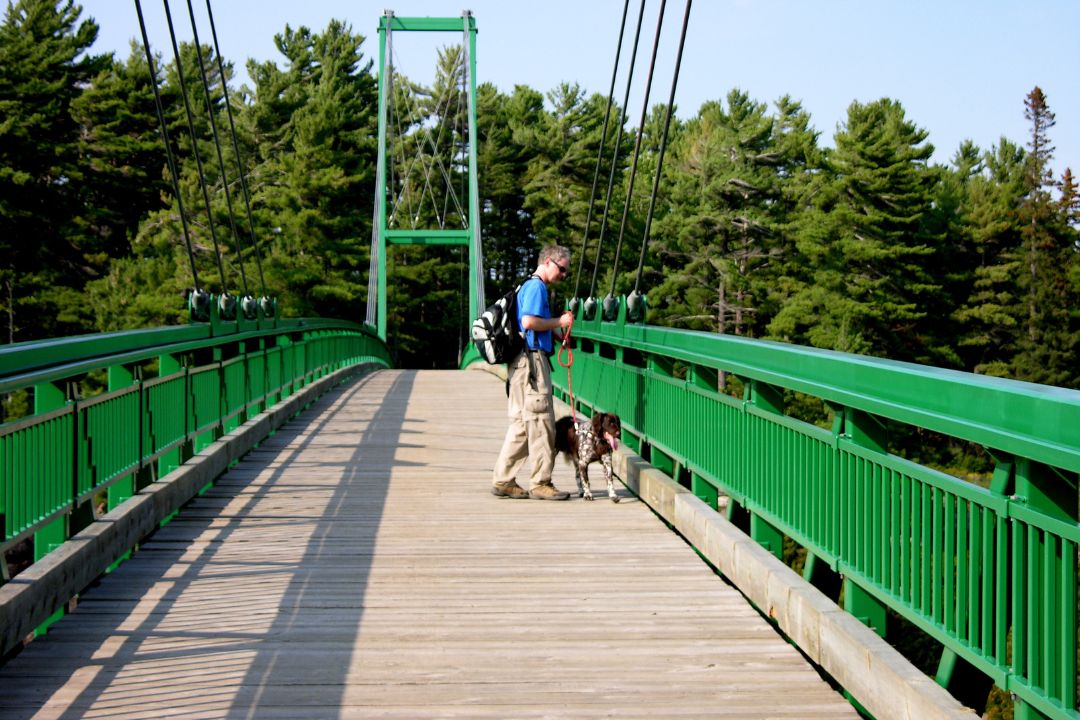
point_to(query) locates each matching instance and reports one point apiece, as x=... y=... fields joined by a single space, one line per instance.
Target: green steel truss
x=991 y=573
x=469 y=236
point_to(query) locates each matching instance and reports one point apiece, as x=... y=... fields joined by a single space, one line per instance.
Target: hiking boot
x=509 y=489
x=547 y=491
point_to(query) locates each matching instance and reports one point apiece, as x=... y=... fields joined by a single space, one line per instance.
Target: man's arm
x=539 y=324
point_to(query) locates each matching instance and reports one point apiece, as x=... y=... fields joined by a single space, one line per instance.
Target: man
x=531 y=411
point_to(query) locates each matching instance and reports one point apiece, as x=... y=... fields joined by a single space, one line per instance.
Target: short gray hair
x=553 y=252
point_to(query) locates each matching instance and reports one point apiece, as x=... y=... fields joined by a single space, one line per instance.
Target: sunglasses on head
x=562 y=269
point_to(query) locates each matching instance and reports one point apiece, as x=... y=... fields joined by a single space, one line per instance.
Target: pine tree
x=506 y=225
x=881 y=161
x=726 y=226
x=987 y=317
x=314 y=170
x=1047 y=347
x=801 y=172
x=1070 y=198
x=122 y=155
x=43 y=70
x=562 y=159
x=868 y=244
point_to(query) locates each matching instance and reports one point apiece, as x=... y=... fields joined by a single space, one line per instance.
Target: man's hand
x=566 y=320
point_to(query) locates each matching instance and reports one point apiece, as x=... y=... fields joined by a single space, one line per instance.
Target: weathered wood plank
x=355 y=565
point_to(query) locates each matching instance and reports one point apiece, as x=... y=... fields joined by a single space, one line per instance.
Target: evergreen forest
x=762 y=227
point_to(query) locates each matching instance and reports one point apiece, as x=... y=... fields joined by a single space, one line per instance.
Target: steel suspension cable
x=426 y=140
x=436 y=145
x=615 y=152
x=600 y=153
x=637 y=148
x=663 y=147
x=195 y=144
x=217 y=148
x=170 y=158
x=236 y=151
x=457 y=129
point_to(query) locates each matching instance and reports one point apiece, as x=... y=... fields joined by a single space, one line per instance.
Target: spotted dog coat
x=586 y=442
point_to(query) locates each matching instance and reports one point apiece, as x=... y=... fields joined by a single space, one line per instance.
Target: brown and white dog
x=586 y=442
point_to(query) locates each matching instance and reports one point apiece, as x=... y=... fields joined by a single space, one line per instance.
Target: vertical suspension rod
x=236 y=151
x=195 y=145
x=217 y=148
x=615 y=152
x=600 y=152
x=663 y=147
x=637 y=147
x=169 y=158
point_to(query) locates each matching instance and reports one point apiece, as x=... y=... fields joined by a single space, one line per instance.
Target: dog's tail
x=564 y=432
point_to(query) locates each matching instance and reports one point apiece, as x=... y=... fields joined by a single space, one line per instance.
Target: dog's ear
x=597 y=423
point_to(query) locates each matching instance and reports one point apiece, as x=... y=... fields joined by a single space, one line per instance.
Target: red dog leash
x=565 y=347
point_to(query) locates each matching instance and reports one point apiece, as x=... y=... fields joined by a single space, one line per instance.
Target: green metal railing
x=168 y=393
x=990 y=573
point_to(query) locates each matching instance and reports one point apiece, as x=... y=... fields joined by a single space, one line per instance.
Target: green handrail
x=990 y=573
x=169 y=393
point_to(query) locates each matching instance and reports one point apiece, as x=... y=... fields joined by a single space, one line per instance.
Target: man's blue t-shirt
x=532 y=299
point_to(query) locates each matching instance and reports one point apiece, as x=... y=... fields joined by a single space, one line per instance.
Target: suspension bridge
x=261 y=517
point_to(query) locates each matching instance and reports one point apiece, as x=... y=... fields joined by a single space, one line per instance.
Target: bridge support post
x=963 y=680
x=704 y=377
x=663 y=367
x=704 y=490
x=1053 y=493
x=172 y=459
x=770 y=399
x=48 y=396
x=864 y=606
x=818 y=573
x=662 y=462
x=766 y=535
x=121 y=376
x=766 y=397
x=866 y=431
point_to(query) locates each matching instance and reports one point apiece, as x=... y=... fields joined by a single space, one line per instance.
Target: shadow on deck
x=355 y=565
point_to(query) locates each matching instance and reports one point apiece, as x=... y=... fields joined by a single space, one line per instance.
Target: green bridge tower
x=383 y=234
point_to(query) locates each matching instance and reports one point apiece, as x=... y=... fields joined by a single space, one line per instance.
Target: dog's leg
x=577 y=477
x=606 y=460
x=583 y=480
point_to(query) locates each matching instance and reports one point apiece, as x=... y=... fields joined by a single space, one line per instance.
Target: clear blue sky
x=961 y=68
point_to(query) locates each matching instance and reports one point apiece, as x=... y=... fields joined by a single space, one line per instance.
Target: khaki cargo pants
x=532 y=421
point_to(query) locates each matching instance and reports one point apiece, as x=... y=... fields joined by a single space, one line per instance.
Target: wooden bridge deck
x=356 y=566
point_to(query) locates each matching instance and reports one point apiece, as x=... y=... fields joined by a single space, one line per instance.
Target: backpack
x=495 y=333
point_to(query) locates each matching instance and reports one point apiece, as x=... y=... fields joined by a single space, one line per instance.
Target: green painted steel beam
x=132 y=350
x=423 y=24
x=26 y=356
x=429 y=237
